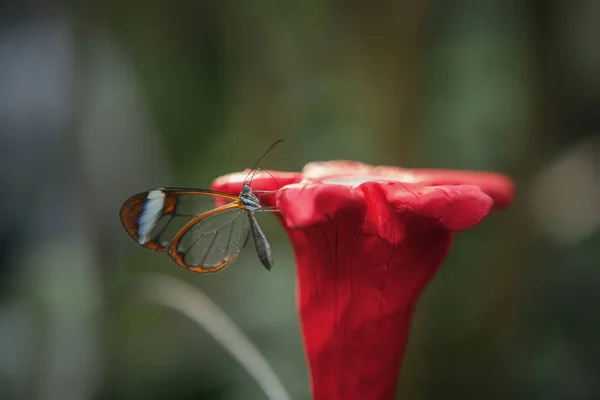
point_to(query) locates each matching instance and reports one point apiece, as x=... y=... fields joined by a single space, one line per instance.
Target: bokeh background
x=101 y=100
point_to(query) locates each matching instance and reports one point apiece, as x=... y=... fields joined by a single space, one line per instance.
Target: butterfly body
x=263 y=248
x=196 y=237
x=251 y=204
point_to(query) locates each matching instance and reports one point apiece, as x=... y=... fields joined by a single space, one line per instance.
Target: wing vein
x=164 y=228
x=209 y=248
x=229 y=237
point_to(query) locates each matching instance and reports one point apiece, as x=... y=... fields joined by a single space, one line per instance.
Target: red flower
x=367 y=241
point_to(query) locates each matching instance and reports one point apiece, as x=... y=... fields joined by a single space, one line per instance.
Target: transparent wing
x=153 y=218
x=210 y=242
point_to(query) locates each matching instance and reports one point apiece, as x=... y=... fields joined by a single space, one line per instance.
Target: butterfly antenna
x=256 y=171
x=263 y=156
x=277 y=183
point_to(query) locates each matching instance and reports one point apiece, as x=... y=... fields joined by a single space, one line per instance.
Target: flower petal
x=313 y=204
x=456 y=208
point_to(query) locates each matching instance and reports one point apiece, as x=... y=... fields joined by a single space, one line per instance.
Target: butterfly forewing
x=153 y=218
x=212 y=242
x=166 y=228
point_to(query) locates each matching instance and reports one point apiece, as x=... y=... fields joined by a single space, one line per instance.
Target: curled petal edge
x=499 y=187
x=455 y=208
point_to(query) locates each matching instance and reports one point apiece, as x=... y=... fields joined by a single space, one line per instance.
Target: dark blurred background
x=101 y=100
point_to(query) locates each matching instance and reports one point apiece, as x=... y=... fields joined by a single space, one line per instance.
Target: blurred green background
x=101 y=100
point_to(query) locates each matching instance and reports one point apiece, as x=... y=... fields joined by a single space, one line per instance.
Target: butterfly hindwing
x=210 y=242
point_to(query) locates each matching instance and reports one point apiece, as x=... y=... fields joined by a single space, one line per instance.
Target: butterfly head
x=249 y=199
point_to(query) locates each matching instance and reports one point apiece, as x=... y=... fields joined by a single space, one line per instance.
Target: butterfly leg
x=264 y=191
x=268 y=210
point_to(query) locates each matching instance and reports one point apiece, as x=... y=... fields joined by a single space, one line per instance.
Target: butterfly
x=198 y=237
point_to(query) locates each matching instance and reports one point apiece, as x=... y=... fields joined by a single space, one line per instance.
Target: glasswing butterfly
x=184 y=224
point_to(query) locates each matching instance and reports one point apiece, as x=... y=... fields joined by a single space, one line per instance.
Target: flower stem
x=191 y=302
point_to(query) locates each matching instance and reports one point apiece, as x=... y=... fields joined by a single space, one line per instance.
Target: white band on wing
x=150 y=214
